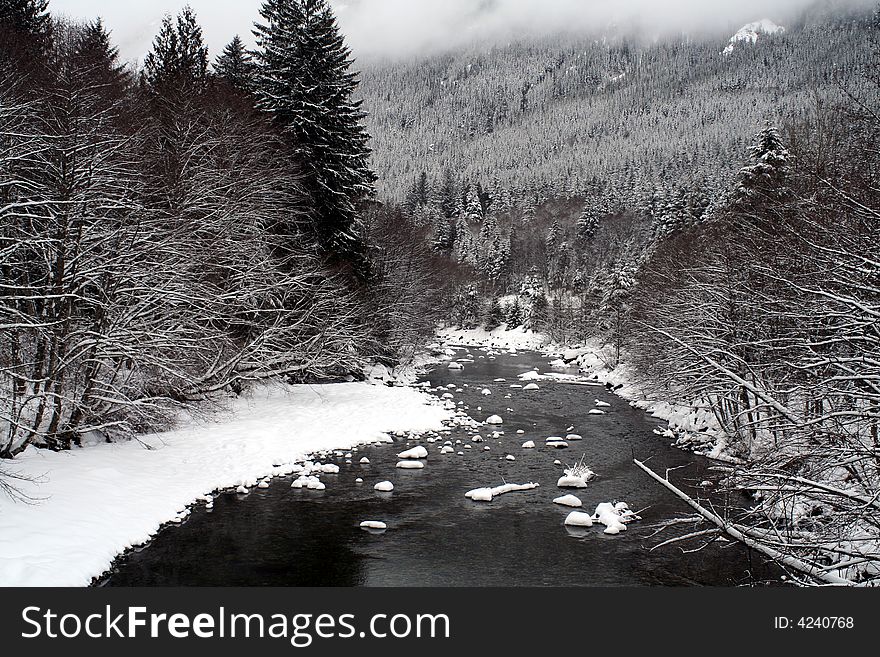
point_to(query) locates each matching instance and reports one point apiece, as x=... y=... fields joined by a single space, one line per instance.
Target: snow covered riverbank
x=91 y=504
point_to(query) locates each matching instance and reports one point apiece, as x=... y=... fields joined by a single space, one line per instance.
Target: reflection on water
x=436 y=537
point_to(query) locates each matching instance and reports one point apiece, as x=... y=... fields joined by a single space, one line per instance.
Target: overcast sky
x=405 y=27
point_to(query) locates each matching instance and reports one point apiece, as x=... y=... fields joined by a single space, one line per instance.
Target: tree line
x=178 y=231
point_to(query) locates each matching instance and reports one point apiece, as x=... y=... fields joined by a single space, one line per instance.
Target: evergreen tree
x=767 y=177
x=540 y=312
x=495 y=315
x=25 y=30
x=97 y=59
x=235 y=65
x=473 y=209
x=419 y=193
x=177 y=65
x=513 y=316
x=554 y=238
x=465 y=250
x=588 y=223
x=305 y=83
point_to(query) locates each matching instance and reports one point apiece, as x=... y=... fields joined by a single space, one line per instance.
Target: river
x=436 y=537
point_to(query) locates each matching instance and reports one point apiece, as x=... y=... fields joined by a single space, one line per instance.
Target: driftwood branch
x=814 y=572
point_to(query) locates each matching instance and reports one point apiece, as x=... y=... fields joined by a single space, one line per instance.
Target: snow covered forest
x=182 y=230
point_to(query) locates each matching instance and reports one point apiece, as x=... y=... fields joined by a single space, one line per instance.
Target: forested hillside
x=564 y=158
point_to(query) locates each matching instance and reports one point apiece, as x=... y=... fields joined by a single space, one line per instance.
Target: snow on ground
x=89 y=504
x=518 y=338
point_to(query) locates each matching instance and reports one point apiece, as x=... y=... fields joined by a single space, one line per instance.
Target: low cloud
x=407 y=27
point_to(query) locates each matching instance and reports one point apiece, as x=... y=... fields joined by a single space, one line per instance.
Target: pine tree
x=495 y=315
x=177 y=65
x=473 y=209
x=97 y=59
x=305 y=83
x=513 y=316
x=25 y=30
x=767 y=177
x=465 y=250
x=554 y=238
x=588 y=223
x=235 y=65
x=419 y=193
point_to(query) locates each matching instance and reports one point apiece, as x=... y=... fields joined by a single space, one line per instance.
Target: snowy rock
x=330 y=468
x=602 y=404
x=569 y=500
x=477 y=438
x=573 y=437
x=486 y=392
x=384 y=487
x=529 y=444
x=532 y=386
x=455 y=366
x=414 y=453
x=241 y=490
x=494 y=419
x=579 y=519
x=751 y=32
x=447 y=450
x=520 y=432
x=364 y=461
x=263 y=484
x=488 y=494
x=373 y=524
x=358 y=481
x=570 y=481
x=609 y=516
x=410 y=465
x=510 y=457
x=596 y=411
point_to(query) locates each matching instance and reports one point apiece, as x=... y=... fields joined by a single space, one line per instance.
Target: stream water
x=436 y=537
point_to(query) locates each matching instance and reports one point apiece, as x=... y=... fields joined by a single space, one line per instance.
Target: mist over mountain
x=402 y=28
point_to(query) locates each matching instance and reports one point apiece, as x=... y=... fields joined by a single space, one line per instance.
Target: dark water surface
x=436 y=537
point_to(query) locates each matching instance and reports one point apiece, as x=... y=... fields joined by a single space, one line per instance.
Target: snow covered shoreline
x=89 y=505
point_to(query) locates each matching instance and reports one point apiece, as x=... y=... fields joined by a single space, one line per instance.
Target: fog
x=409 y=27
